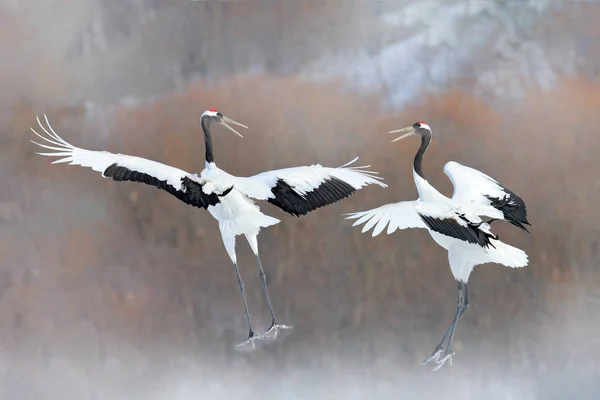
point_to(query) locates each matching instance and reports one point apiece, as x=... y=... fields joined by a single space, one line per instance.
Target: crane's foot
x=435 y=355
x=440 y=363
x=248 y=344
x=272 y=332
x=440 y=357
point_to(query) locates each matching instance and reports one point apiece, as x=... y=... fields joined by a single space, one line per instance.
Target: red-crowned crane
x=454 y=223
x=229 y=199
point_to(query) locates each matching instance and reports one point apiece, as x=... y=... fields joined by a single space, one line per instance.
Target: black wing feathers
x=330 y=191
x=451 y=227
x=193 y=194
x=513 y=207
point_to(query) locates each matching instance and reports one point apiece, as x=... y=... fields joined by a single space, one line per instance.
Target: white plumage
x=407 y=214
x=229 y=199
x=302 y=180
x=100 y=160
x=455 y=223
x=471 y=187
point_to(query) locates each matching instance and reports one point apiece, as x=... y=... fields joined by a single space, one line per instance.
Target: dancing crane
x=454 y=223
x=229 y=199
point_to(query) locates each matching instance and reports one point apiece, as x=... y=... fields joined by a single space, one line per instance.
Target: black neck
x=207 y=140
x=418 y=162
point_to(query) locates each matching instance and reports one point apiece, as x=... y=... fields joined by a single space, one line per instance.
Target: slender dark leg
x=229 y=243
x=274 y=328
x=462 y=306
x=263 y=281
x=251 y=336
x=439 y=347
x=445 y=345
x=466 y=300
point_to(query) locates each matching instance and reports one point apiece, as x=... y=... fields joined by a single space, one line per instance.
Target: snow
x=441 y=42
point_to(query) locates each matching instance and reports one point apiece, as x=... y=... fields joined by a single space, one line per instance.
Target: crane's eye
x=219 y=114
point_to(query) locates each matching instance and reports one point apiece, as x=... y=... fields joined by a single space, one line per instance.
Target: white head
x=419 y=128
x=213 y=115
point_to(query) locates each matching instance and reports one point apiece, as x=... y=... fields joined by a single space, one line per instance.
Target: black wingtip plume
x=513 y=208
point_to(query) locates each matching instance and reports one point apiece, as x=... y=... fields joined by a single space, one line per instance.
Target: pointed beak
x=409 y=132
x=226 y=121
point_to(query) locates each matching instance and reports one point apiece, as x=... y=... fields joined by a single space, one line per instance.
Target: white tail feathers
x=507 y=255
x=464 y=257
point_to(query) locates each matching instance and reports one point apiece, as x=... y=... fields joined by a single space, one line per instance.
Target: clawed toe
x=250 y=341
x=440 y=363
x=434 y=356
x=272 y=332
x=446 y=357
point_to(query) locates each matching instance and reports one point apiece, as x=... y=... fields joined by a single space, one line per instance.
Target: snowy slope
x=489 y=42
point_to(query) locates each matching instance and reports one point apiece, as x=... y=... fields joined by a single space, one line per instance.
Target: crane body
x=229 y=199
x=454 y=223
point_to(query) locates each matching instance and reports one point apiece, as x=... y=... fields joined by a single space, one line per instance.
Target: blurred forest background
x=119 y=291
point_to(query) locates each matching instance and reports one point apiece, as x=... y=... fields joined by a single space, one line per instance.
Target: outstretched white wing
x=478 y=189
x=400 y=215
x=120 y=167
x=439 y=217
x=300 y=190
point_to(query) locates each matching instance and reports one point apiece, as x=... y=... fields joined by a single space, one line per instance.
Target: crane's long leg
x=229 y=242
x=440 y=347
x=445 y=345
x=449 y=352
x=275 y=326
x=242 y=286
x=263 y=282
x=460 y=311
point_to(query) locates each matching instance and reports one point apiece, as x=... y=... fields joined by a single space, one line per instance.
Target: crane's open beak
x=226 y=121
x=409 y=132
